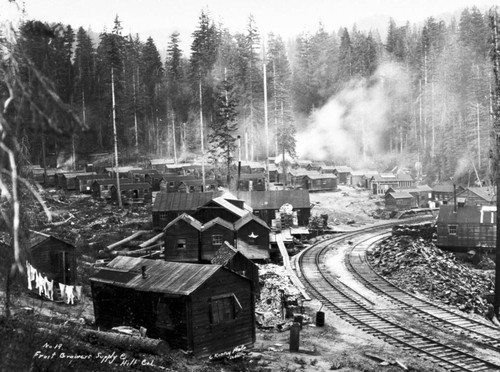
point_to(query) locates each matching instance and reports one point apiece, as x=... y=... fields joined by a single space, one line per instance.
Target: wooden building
x=142 y=175
x=101 y=188
x=84 y=182
x=477 y=196
x=253 y=232
x=212 y=236
x=315 y=166
x=171 y=182
x=381 y=182
x=463 y=227
x=182 y=239
x=398 y=201
x=131 y=192
x=122 y=171
x=342 y=172
x=196 y=185
x=228 y=210
x=265 y=204
x=252 y=182
x=318 y=182
x=53 y=257
x=159 y=164
x=168 y=206
x=200 y=308
x=361 y=178
x=68 y=180
x=234 y=260
x=443 y=192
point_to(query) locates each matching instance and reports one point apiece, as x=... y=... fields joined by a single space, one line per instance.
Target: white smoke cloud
x=350 y=125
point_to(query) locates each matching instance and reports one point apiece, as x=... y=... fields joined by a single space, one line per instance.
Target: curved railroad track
x=360 y=311
x=434 y=314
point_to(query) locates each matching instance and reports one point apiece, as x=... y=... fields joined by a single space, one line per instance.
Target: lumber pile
x=418 y=266
x=276 y=291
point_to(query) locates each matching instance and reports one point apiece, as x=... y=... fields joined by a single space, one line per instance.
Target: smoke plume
x=352 y=123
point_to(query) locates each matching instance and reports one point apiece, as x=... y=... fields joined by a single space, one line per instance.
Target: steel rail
x=355 y=311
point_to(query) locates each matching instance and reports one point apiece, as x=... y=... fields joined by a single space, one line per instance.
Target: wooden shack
x=168 y=206
x=315 y=166
x=101 y=188
x=222 y=208
x=171 y=182
x=53 y=257
x=205 y=309
x=68 y=180
x=265 y=204
x=464 y=227
x=399 y=201
x=160 y=164
x=212 y=236
x=132 y=192
x=234 y=260
x=343 y=173
x=182 y=239
x=252 y=231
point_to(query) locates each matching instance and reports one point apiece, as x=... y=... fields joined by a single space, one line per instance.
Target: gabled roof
x=175 y=177
x=198 y=182
x=143 y=171
x=247 y=218
x=230 y=207
x=319 y=176
x=122 y=169
x=251 y=176
x=445 y=187
x=176 y=201
x=342 y=168
x=37 y=238
x=276 y=198
x=93 y=177
x=77 y=174
x=161 y=276
x=486 y=193
x=186 y=218
x=218 y=221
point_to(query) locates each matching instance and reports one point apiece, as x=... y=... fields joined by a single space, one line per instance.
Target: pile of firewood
x=418 y=266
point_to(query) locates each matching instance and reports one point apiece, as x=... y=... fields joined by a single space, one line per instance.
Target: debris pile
x=423 y=230
x=418 y=266
x=276 y=292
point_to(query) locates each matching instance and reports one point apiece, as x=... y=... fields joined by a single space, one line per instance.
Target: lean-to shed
x=200 y=308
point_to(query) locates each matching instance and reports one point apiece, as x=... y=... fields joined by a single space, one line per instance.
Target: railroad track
x=434 y=314
x=360 y=312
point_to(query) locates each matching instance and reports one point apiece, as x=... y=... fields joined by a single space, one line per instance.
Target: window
x=163 y=215
x=452 y=229
x=216 y=239
x=224 y=308
x=181 y=243
x=171 y=184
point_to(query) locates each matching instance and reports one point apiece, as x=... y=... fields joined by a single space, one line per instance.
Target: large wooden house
x=381 y=182
x=205 y=309
x=462 y=227
x=168 y=206
x=266 y=204
x=53 y=257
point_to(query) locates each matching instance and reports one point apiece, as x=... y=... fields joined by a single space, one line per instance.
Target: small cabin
x=100 y=188
x=342 y=172
x=234 y=260
x=315 y=166
x=131 y=192
x=465 y=227
x=53 y=257
x=252 y=231
x=160 y=164
x=204 y=309
x=182 y=239
x=443 y=192
x=68 y=180
x=212 y=235
x=168 y=206
x=171 y=182
x=398 y=201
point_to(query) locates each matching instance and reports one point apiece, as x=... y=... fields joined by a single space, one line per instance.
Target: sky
x=159 y=18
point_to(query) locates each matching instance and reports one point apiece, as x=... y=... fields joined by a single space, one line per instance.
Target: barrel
x=320 y=319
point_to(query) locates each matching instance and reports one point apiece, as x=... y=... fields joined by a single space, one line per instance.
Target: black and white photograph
x=249 y=186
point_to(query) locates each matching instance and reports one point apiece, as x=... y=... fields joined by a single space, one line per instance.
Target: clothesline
x=45 y=287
